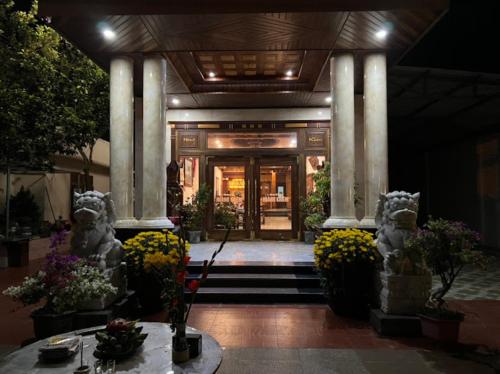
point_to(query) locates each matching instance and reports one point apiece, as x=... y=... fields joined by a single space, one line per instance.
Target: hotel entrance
x=255 y=196
x=256 y=173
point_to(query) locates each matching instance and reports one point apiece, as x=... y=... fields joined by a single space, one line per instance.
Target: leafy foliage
x=120 y=337
x=447 y=246
x=316 y=206
x=194 y=213
x=53 y=99
x=225 y=215
x=24 y=209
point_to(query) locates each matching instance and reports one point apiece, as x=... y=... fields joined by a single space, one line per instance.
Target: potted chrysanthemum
x=65 y=282
x=144 y=252
x=345 y=260
x=447 y=246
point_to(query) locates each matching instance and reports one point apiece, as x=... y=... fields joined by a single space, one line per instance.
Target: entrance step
x=263 y=282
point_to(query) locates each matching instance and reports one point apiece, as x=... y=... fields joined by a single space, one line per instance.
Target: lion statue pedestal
x=94 y=238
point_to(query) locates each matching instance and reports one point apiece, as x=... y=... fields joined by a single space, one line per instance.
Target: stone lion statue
x=396 y=219
x=93 y=233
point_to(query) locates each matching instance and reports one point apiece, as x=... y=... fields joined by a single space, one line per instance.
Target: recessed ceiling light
x=211 y=74
x=328 y=99
x=175 y=101
x=320 y=113
x=381 y=34
x=289 y=73
x=108 y=34
x=186 y=114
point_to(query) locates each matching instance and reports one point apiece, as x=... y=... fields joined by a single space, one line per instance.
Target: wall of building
x=457 y=181
x=52 y=190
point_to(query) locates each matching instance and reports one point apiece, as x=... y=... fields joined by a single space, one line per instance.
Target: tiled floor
x=301 y=330
x=258 y=250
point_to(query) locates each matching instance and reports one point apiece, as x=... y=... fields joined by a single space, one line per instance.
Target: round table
x=154 y=357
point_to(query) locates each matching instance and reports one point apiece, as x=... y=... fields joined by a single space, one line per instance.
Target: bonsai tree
x=447 y=247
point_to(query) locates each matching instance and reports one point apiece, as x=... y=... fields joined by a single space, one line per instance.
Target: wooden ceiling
x=229 y=58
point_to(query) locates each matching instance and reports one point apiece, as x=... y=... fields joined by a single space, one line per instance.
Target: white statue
x=396 y=220
x=93 y=233
x=404 y=281
x=94 y=238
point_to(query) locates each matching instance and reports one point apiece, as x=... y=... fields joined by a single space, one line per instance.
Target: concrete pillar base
x=125 y=223
x=367 y=223
x=155 y=223
x=340 y=223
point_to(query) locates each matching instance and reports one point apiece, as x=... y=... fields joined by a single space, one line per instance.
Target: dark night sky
x=466 y=38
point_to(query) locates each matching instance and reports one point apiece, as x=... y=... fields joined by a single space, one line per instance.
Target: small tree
x=447 y=247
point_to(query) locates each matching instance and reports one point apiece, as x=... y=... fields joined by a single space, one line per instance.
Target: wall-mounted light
x=175 y=101
x=328 y=99
x=211 y=74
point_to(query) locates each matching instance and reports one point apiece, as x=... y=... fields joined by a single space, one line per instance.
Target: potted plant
x=147 y=251
x=312 y=209
x=345 y=260
x=447 y=246
x=65 y=282
x=225 y=215
x=194 y=213
x=119 y=340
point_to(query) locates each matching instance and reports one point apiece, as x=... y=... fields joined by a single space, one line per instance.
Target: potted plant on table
x=173 y=278
x=447 y=246
x=225 y=215
x=194 y=213
x=345 y=260
x=64 y=282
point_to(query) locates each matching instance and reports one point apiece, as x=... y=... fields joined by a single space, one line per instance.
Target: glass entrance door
x=229 y=207
x=256 y=197
x=276 y=202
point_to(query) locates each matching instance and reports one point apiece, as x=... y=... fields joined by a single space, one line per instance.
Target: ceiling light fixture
x=320 y=113
x=108 y=34
x=381 y=34
x=289 y=73
x=328 y=99
x=175 y=101
x=211 y=74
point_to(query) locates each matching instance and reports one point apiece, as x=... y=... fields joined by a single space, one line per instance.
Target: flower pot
x=148 y=291
x=349 y=294
x=444 y=330
x=194 y=237
x=309 y=237
x=49 y=324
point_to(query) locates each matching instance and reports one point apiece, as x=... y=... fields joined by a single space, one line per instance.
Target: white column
x=154 y=177
x=122 y=139
x=375 y=108
x=343 y=212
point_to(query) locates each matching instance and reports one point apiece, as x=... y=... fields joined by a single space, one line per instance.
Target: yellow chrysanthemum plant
x=340 y=246
x=345 y=259
x=150 y=249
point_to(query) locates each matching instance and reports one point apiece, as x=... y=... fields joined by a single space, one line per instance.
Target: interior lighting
x=381 y=34
x=211 y=74
x=108 y=34
x=328 y=99
x=289 y=73
x=175 y=101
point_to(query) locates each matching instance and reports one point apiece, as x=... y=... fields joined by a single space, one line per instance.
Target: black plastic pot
x=49 y=324
x=351 y=288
